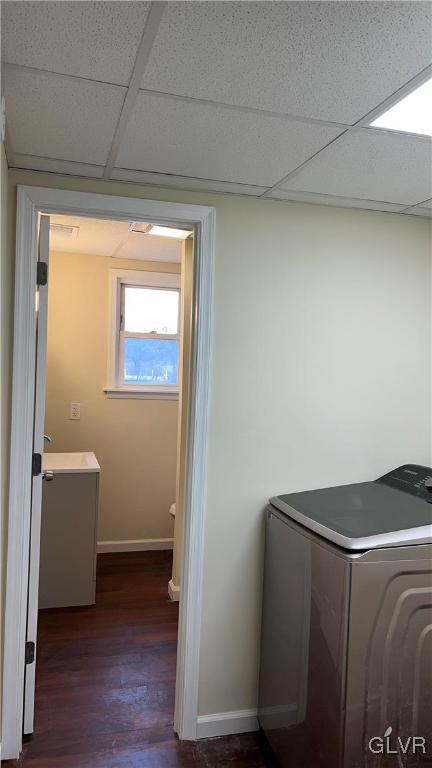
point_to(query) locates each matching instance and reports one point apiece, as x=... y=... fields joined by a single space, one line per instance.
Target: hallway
x=106 y=678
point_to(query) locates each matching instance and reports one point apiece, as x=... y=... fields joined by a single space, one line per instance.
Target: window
x=144 y=334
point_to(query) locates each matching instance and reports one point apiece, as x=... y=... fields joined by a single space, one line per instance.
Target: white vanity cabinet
x=67 y=573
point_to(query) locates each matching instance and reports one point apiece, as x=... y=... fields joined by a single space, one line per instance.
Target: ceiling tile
x=106 y=237
x=334 y=200
x=63 y=118
x=372 y=165
x=328 y=60
x=186 y=182
x=199 y=140
x=420 y=210
x=93 y=237
x=150 y=248
x=50 y=165
x=97 y=40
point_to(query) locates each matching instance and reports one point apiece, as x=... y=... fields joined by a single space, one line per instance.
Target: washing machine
x=346 y=649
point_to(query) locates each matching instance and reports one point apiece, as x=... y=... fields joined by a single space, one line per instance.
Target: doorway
x=31 y=203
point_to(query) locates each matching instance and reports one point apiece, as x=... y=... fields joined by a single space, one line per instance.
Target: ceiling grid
x=265 y=99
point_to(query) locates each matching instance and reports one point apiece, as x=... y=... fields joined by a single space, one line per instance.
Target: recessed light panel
x=180 y=234
x=412 y=114
x=155 y=229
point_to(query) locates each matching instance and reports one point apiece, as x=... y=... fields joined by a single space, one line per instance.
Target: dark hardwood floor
x=106 y=675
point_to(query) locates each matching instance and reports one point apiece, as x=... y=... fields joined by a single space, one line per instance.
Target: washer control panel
x=411 y=478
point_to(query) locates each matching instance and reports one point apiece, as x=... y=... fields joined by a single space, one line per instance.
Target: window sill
x=134 y=393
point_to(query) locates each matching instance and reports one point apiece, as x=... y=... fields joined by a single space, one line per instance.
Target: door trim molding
x=19 y=486
x=31 y=201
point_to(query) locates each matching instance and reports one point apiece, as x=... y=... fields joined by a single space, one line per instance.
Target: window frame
x=119 y=279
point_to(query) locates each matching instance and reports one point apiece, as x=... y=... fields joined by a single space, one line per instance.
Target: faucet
x=48 y=438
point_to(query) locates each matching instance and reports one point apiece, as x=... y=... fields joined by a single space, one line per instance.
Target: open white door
x=38 y=448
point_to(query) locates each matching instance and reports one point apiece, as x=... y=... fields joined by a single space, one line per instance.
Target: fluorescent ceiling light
x=155 y=229
x=412 y=114
x=180 y=234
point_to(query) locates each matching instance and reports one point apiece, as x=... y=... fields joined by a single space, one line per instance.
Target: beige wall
x=321 y=375
x=135 y=441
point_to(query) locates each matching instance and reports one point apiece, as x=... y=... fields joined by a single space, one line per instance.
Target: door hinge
x=42 y=273
x=30 y=648
x=36 y=464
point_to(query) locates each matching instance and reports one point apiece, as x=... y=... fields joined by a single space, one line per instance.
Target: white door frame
x=32 y=201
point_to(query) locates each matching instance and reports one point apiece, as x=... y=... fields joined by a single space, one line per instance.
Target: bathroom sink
x=70 y=462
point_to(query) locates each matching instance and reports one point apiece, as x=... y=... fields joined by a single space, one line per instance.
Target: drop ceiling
x=100 y=237
x=269 y=99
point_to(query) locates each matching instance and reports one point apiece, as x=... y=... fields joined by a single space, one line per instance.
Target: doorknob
x=47 y=475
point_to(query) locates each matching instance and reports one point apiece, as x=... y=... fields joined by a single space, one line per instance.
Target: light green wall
x=321 y=375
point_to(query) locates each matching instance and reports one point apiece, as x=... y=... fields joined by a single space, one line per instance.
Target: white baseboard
x=134 y=545
x=174 y=591
x=227 y=723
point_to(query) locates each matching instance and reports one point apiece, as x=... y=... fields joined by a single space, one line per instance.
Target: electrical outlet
x=75 y=411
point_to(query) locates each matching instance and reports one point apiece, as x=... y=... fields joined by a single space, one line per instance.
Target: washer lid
x=361 y=516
